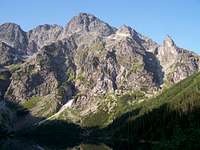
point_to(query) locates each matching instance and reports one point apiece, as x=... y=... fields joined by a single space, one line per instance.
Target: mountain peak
x=126 y=30
x=125 y=27
x=168 y=41
x=85 y=22
x=83 y=14
x=13 y=35
x=10 y=26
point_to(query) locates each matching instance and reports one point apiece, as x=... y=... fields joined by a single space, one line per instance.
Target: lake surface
x=62 y=144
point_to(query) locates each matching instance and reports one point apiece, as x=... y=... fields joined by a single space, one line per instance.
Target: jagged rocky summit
x=83 y=63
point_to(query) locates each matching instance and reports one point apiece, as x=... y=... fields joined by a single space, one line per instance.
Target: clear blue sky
x=154 y=18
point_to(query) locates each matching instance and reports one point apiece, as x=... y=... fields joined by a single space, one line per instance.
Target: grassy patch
x=70 y=74
x=14 y=67
x=3 y=77
x=111 y=107
x=133 y=95
x=32 y=102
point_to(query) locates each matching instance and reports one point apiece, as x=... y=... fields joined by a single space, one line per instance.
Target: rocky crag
x=74 y=71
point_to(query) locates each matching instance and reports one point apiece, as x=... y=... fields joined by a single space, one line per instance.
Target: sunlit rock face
x=84 y=62
x=42 y=35
x=167 y=53
x=87 y=23
x=14 y=36
x=177 y=63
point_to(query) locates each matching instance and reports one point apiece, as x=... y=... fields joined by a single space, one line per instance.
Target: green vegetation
x=94 y=147
x=95 y=50
x=61 y=91
x=55 y=128
x=14 y=67
x=5 y=120
x=135 y=95
x=80 y=77
x=97 y=46
x=41 y=60
x=172 y=118
x=3 y=77
x=48 y=107
x=69 y=115
x=111 y=106
x=70 y=74
x=32 y=102
x=136 y=67
x=40 y=106
x=83 y=80
x=97 y=119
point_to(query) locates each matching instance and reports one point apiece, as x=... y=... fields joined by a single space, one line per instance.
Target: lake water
x=62 y=144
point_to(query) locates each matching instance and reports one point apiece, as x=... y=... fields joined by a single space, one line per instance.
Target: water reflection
x=22 y=144
x=64 y=144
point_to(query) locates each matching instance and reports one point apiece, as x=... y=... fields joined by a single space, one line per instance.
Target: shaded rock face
x=9 y=55
x=31 y=41
x=85 y=60
x=42 y=75
x=4 y=81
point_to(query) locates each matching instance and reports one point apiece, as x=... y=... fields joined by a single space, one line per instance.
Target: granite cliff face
x=85 y=23
x=41 y=36
x=14 y=36
x=43 y=80
x=177 y=63
x=85 y=62
x=9 y=55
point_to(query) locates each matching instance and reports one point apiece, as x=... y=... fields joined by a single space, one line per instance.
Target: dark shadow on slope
x=57 y=134
x=152 y=65
x=175 y=125
x=161 y=127
x=4 y=80
x=51 y=133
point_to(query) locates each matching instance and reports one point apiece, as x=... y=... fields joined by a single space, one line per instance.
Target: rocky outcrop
x=84 y=23
x=9 y=55
x=167 y=53
x=87 y=60
x=31 y=41
x=41 y=36
x=177 y=63
x=44 y=77
x=14 y=36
